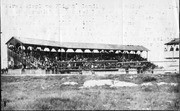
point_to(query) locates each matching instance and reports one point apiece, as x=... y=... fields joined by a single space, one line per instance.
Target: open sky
x=150 y=23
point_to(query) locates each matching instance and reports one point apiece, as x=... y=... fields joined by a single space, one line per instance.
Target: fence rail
x=85 y=65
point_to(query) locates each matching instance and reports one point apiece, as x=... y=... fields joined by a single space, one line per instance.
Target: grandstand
x=28 y=53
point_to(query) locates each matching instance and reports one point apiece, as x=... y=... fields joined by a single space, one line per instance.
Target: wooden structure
x=61 y=48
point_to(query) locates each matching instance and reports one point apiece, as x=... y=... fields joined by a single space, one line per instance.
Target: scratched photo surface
x=90 y=54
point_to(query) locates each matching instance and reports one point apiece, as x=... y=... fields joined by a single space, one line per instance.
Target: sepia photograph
x=90 y=55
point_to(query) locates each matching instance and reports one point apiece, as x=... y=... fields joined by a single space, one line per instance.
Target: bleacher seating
x=78 y=61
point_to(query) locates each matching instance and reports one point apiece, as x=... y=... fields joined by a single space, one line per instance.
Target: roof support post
x=122 y=54
x=34 y=47
x=60 y=55
x=56 y=53
x=173 y=51
x=129 y=54
x=56 y=49
x=74 y=50
x=50 y=48
x=23 y=56
x=65 y=49
x=25 y=47
x=42 y=48
x=99 y=50
x=92 y=53
x=7 y=56
x=141 y=52
x=49 y=53
x=107 y=51
x=100 y=53
x=147 y=55
x=83 y=50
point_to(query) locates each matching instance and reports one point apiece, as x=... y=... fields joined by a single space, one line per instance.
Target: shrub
x=149 y=79
x=175 y=105
x=55 y=103
x=147 y=89
x=174 y=89
x=4 y=102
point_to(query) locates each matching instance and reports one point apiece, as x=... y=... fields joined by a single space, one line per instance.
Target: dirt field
x=51 y=93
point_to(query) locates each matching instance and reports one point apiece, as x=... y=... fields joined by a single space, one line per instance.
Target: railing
x=107 y=65
x=87 y=65
x=81 y=65
x=23 y=59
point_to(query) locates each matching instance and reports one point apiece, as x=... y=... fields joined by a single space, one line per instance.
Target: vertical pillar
x=91 y=62
x=75 y=53
x=56 y=54
x=50 y=48
x=23 y=56
x=74 y=50
x=60 y=59
x=25 y=46
x=92 y=53
x=60 y=55
x=115 y=58
x=83 y=50
x=173 y=52
x=122 y=56
x=100 y=53
x=65 y=49
x=7 y=55
x=129 y=54
x=114 y=51
x=147 y=55
x=141 y=53
x=33 y=50
x=26 y=52
x=21 y=49
x=42 y=50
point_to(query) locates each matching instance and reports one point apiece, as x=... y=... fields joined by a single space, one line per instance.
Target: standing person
x=152 y=70
x=92 y=67
x=138 y=69
x=68 y=65
x=127 y=69
x=80 y=70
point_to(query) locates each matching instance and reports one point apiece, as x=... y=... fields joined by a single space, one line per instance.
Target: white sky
x=150 y=23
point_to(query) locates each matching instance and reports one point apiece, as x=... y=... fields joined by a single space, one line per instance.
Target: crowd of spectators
x=60 y=60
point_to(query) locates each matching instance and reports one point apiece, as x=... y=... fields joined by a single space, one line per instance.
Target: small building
x=171 y=52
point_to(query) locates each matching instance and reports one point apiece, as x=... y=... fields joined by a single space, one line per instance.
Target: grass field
x=49 y=93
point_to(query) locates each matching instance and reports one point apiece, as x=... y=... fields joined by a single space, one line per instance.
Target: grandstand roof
x=173 y=42
x=75 y=45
